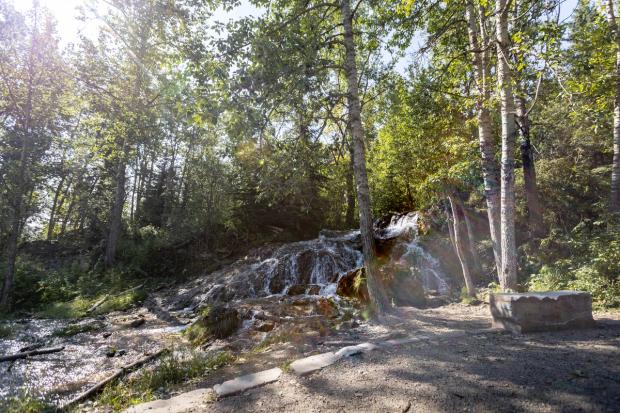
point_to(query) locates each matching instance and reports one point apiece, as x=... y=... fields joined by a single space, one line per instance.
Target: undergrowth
x=173 y=368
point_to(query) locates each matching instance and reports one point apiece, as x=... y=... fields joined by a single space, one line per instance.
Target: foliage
x=173 y=368
x=586 y=259
x=26 y=402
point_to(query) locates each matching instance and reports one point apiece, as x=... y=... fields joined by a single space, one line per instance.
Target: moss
x=75 y=308
x=73 y=329
x=215 y=322
x=6 y=331
x=122 y=302
x=172 y=369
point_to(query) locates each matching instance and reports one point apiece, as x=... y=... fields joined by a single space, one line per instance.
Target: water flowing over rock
x=285 y=269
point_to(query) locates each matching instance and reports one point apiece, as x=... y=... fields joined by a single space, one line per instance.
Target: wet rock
x=299 y=289
x=353 y=285
x=326 y=308
x=313 y=289
x=136 y=322
x=553 y=310
x=265 y=326
x=221 y=322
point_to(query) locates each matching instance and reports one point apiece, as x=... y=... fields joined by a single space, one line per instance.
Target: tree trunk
x=490 y=168
x=15 y=225
x=508 y=277
x=350 y=218
x=459 y=241
x=376 y=290
x=614 y=199
x=116 y=213
x=534 y=210
x=477 y=267
x=52 y=221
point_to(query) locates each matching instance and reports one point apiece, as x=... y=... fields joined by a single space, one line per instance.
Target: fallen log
x=120 y=373
x=31 y=353
x=97 y=304
x=105 y=297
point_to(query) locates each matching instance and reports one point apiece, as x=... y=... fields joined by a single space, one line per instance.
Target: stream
x=274 y=274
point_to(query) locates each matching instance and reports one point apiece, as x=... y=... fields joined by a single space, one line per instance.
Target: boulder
x=353 y=285
x=545 y=311
x=221 y=321
x=408 y=291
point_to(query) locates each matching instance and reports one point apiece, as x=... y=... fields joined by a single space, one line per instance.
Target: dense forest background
x=169 y=143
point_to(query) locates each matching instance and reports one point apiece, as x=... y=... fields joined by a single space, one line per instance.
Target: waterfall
x=315 y=266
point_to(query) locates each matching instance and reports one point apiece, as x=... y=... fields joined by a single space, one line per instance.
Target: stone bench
x=545 y=311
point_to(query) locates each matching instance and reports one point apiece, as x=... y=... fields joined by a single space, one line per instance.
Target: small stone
x=246 y=382
x=309 y=364
x=352 y=350
x=106 y=334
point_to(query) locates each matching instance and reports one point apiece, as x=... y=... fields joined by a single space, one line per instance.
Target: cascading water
x=315 y=266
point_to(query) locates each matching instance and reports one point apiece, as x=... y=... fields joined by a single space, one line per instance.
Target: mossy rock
x=220 y=321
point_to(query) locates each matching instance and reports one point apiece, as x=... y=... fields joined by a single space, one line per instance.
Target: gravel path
x=543 y=372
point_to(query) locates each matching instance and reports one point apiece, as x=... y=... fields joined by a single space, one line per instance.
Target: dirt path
x=544 y=372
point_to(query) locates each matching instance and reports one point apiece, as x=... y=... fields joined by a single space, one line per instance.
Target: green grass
x=26 y=402
x=75 y=308
x=78 y=307
x=172 y=369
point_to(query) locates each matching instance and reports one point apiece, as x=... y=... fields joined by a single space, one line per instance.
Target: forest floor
x=489 y=371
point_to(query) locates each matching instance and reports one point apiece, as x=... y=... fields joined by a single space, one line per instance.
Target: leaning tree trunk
x=376 y=290
x=116 y=213
x=475 y=257
x=490 y=168
x=52 y=221
x=534 y=210
x=614 y=199
x=508 y=277
x=460 y=238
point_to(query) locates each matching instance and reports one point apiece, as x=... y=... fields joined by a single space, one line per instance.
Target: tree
x=376 y=290
x=33 y=86
x=614 y=199
x=479 y=43
x=508 y=275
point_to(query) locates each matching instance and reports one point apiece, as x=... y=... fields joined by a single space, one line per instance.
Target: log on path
x=120 y=373
x=31 y=353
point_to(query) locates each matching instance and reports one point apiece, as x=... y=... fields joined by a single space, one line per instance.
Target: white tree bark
x=490 y=167
x=508 y=277
x=614 y=199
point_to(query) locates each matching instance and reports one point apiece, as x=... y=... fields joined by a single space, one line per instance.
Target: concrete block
x=553 y=310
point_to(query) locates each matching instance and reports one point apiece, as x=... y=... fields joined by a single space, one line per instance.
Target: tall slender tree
x=614 y=199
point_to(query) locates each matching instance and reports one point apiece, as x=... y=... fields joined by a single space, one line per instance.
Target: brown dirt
x=542 y=372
